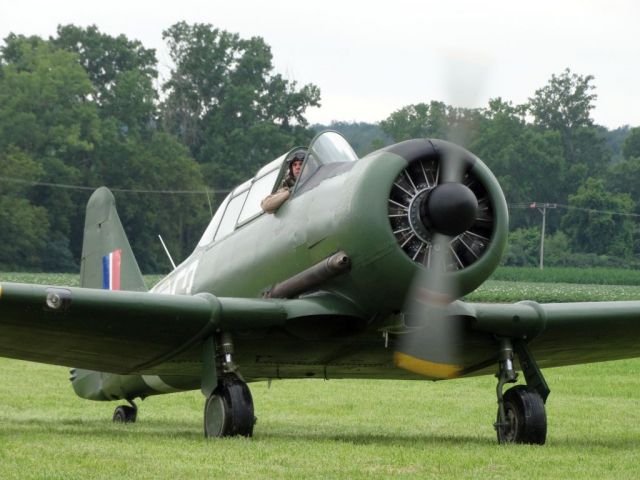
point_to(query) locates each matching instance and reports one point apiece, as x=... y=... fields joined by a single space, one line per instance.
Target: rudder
x=107 y=258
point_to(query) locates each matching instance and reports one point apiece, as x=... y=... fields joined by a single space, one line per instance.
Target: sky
x=370 y=58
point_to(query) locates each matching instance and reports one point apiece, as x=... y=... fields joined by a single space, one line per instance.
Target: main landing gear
x=228 y=410
x=521 y=411
x=126 y=413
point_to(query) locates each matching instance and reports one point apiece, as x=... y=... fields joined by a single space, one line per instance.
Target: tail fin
x=107 y=258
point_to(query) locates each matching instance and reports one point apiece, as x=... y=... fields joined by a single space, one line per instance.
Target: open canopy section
x=242 y=205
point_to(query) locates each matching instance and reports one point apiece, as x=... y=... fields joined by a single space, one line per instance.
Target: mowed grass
x=323 y=429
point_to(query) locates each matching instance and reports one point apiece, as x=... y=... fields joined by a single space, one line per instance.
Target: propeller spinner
x=450 y=209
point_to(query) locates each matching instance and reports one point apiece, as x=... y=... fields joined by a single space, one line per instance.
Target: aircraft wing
x=565 y=333
x=128 y=332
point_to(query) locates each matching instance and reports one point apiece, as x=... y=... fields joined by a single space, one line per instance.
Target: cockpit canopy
x=242 y=205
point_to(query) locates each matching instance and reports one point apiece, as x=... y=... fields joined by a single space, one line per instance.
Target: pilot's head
x=295 y=164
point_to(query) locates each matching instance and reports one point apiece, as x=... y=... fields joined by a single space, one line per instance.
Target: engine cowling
x=447 y=190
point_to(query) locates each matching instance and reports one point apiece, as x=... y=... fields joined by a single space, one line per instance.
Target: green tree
x=557 y=250
x=591 y=224
x=45 y=115
x=624 y=177
x=81 y=107
x=160 y=164
x=42 y=94
x=121 y=71
x=104 y=57
x=226 y=105
x=520 y=156
x=523 y=248
x=23 y=226
x=421 y=120
x=432 y=120
x=615 y=139
x=564 y=105
x=631 y=145
x=132 y=154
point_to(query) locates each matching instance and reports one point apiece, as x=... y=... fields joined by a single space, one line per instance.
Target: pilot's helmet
x=298 y=155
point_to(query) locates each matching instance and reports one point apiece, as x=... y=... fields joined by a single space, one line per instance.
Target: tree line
x=83 y=109
x=549 y=149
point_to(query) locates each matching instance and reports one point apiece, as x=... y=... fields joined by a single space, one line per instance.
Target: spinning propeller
x=433 y=342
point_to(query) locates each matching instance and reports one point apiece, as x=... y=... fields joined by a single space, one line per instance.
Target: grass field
x=598 y=276
x=326 y=429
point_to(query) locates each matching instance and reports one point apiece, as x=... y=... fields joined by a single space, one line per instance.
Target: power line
x=219 y=191
x=122 y=190
x=570 y=207
x=593 y=210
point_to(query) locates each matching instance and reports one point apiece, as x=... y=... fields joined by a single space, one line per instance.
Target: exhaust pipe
x=312 y=277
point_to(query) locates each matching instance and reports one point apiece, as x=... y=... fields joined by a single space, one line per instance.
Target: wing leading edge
x=130 y=332
x=566 y=333
x=114 y=331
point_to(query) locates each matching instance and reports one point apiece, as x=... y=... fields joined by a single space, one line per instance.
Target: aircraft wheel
x=526 y=419
x=228 y=411
x=125 y=414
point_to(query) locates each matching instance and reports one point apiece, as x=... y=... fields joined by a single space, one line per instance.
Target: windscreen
x=328 y=147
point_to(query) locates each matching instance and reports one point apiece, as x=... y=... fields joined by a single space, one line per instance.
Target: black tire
x=125 y=414
x=525 y=416
x=228 y=411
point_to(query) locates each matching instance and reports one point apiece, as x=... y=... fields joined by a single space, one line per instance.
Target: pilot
x=295 y=166
x=272 y=202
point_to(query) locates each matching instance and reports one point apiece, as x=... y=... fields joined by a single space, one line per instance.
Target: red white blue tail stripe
x=111 y=270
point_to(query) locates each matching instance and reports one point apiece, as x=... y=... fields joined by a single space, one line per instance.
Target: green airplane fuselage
x=347 y=212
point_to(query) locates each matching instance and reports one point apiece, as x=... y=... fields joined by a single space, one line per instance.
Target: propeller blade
x=465 y=76
x=431 y=345
x=452 y=164
x=433 y=342
x=434 y=339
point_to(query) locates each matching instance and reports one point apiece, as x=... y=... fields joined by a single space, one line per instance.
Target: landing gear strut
x=126 y=413
x=228 y=410
x=521 y=412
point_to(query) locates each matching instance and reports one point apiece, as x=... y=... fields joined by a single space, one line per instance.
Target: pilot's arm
x=273 y=202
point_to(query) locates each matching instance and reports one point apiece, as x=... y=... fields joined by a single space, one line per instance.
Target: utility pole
x=542 y=208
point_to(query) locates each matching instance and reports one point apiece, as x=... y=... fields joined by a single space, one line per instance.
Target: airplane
x=359 y=274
